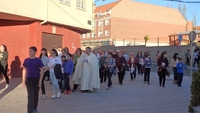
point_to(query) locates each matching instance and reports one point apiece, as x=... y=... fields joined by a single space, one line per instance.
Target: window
x=80 y=4
x=107 y=22
x=83 y=36
x=88 y=35
x=93 y=35
x=107 y=33
x=100 y=23
x=65 y=1
x=100 y=34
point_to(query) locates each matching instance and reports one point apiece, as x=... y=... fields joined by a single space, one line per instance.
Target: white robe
x=87 y=74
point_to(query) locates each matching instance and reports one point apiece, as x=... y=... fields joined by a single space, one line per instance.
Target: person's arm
x=71 y=69
x=171 y=64
x=23 y=75
x=5 y=55
x=184 y=66
x=41 y=76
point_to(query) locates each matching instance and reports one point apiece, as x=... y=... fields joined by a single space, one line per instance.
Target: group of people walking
x=87 y=69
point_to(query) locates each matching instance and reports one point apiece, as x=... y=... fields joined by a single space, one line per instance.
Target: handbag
x=58 y=71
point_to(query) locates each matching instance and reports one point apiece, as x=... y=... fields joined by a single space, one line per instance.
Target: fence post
x=158 y=41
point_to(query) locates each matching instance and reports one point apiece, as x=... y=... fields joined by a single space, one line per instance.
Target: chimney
x=189 y=26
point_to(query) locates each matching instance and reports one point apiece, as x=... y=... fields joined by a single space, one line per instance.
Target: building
x=42 y=23
x=127 y=22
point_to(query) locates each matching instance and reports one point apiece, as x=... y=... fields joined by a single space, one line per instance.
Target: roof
x=147 y=12
x=106 y=7
x=185 y=33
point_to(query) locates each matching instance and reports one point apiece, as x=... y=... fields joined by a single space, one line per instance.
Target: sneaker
x=58 y=94
x=43 y=97
x=35 y=111
x=53 y=97
x=7 y=86
x=107 y=88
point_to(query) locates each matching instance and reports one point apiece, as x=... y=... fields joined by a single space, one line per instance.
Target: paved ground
x=132 y=97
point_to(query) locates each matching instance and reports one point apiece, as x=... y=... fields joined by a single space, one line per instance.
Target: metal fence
x=159 y=41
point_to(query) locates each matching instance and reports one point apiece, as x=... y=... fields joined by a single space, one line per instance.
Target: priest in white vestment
x=87 y=71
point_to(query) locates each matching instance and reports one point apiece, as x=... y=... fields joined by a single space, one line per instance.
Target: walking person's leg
x=105 y=77
x=164 y=78
x=43 y=86
x=134 y=73
x=160 y=80
x=119 y=77
x=148 y=75
x=30 y=93
x=180 y=79
x=55 y=85
x=36 y=93
x=101 y=75
x=67 y=82
x=131 y=75
x=122 y=77
x=145 y=75
x=4 y=72
x=175 y=75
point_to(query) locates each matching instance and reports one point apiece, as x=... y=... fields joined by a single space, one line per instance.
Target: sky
x=192 y=8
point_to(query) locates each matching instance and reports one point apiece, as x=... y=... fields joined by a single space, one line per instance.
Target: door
x=49 y=41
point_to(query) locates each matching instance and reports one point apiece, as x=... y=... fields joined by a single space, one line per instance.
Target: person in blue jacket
x=180 y=70
x=68 y=66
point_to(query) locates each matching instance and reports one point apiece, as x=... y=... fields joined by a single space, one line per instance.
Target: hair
x=70 y=55
x=78 y=49
x=109 y=53
x=88 y=48
x=162 y=55
x=66 y=49
x=54 y=50
x=33 y=48
x=139 y=52
x=175 y=56
x=43 y=49
x=180 y=59
x=5 y=48
x=63 y=56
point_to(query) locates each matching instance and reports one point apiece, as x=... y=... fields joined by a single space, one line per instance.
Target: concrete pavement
x=131 y=97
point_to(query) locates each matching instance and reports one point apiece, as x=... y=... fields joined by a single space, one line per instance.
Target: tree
x=183 y=10
x=194 y=21
x=195 y=91
x=146 y=38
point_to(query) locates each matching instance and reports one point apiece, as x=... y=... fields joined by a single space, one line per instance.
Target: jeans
x=196 y=60
x=175 y=74
x=46 y=74
x=147 y=74
x=187 y=61
x=66 y=79
x=102 y=75
x=121 y=76
x=109 y=74
x=133 y=73
x=32 y=90
x=139 y=67
x=180 y=78
x=4 y=70
x=54 y=81
x=162 y=80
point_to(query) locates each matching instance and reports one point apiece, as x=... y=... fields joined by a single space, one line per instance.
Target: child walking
x=180 y=66
x=68 y=71
x=162 y=72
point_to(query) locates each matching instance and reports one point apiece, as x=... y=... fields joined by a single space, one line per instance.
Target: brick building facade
x=127 y=22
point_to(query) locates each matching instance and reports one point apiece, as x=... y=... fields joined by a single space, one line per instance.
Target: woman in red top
x=133 y=61
x=120 y=62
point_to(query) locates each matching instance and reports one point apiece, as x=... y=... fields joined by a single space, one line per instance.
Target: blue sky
x=192 y=8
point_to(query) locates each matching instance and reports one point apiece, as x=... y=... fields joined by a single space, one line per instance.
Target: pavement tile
x=132 y=97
